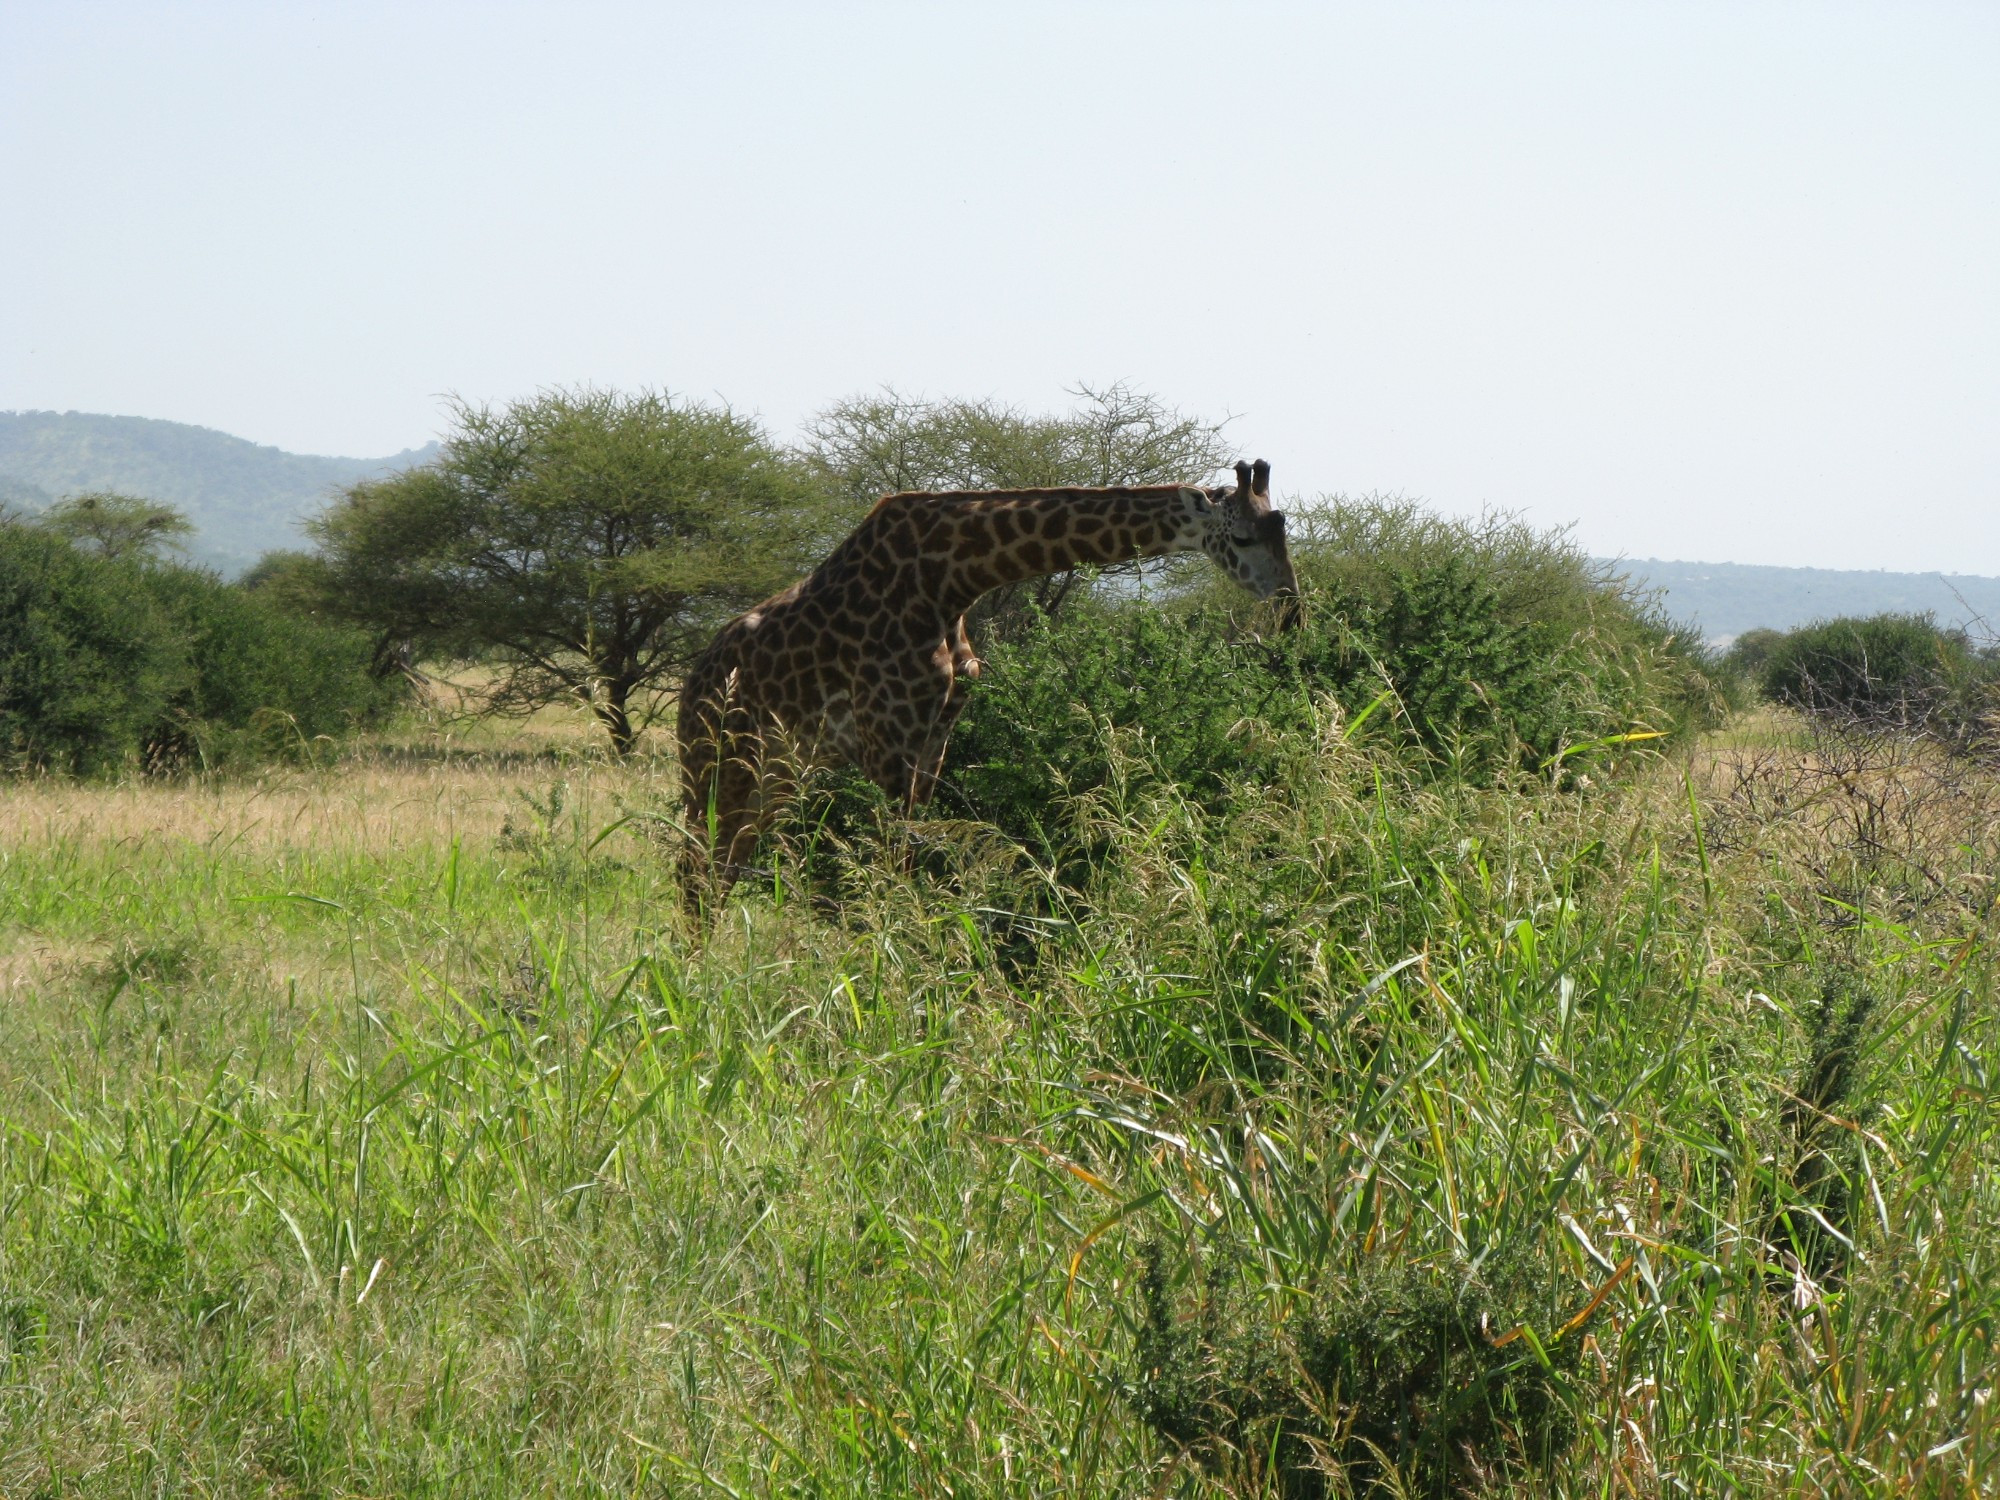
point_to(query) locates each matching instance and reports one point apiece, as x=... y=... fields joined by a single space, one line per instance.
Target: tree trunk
x=610 y=706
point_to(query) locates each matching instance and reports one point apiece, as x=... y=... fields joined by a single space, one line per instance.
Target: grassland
x=381 y=1128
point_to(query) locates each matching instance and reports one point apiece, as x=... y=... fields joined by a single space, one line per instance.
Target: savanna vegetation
x=112 y=656
x=1459 y=1045
x=1896 y=672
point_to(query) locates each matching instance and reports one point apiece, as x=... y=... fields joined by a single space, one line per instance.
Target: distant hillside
x=1726 y=599
x=244 y=499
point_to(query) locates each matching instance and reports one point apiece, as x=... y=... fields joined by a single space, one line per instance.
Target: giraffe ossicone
x=865 y=659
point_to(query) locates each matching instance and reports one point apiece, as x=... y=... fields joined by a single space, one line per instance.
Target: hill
x=245 y=499
x=1726 y=599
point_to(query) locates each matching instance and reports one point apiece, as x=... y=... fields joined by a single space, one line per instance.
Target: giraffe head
x=1246 y=537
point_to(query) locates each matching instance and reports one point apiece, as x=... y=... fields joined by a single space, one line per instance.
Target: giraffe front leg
x=888 y=760
x=896 y=710
x=723 y=834
x=723 y=771
x=700 y=737
x=964 y=669
x=892 y=766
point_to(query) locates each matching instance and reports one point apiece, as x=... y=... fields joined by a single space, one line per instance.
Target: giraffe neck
x=990 y=538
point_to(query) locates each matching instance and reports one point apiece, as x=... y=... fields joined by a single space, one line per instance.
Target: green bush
x=1036 y=726
x=1749 y=652
x=1503 y=643
x=1404 y=1366
x=261 y=680
x=1904 y=671
x=1472 y=682
x=113 y=660
x=88 y=659
x=1485 y=648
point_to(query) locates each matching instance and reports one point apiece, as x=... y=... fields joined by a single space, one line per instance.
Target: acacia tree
x=583 y=542
x=115 y=525
x=869 y=446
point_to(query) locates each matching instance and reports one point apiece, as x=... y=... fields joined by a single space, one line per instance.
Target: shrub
x=1401 y=1365
x=88 y=660
x=1901 y=671
x=115 y=659
x=1036 y=727
x=1494 y=630
x=1491 y=648
x=261 y=680
x=1751 y=650
x=1470 y=683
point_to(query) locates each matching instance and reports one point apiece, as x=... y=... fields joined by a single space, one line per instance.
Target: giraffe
x=866 y=660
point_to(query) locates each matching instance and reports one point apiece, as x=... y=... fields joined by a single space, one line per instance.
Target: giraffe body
x=866 y=660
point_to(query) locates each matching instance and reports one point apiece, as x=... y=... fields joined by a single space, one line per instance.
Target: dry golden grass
x=27 y=960
x=385 y=804
x=1868 y=825
x=453 y=709
x=416 y=790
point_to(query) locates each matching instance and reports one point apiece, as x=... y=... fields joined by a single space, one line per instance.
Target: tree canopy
x=870 y=446
x=583 y=542
x=115 y=525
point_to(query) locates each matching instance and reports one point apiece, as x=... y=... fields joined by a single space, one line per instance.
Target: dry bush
x=1882 y=818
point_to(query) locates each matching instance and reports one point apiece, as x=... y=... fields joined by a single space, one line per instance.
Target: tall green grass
x=467 y=1170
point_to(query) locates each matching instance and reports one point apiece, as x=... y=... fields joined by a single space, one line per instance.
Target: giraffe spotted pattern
x=866 y=660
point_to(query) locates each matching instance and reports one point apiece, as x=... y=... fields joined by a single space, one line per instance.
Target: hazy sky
x=1710 y=281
